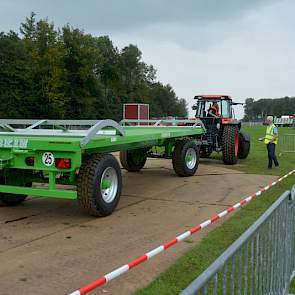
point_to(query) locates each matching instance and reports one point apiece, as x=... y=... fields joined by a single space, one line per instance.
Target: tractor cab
x=224 y=115
x=205 y=102
x=222 y=109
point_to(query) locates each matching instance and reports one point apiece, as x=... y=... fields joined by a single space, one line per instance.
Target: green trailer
x=79 y=153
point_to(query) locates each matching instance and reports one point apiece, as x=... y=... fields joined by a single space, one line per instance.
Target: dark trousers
x=271 y=151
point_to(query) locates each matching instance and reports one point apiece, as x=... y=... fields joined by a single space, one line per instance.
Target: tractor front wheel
x=230 y=144
x=99 y=184
x=244 y=145
x=185 y=158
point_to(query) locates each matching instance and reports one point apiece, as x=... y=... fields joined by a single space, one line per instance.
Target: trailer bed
x=108 y=140
x=101 y=137
x=57 y=152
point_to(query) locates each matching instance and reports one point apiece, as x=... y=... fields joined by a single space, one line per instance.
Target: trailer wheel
x=205 y=152
x=99 y=184
x=230 y=144
x=244 y=146
x=133 y=160
x=14 y=199
x=185 y=158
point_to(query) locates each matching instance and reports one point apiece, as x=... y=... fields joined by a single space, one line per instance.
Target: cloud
x=241 y=48
x=117 y=16
x=252 y=56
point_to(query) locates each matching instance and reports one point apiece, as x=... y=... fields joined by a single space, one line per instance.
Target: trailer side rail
x=153 y=123
x=63 y=128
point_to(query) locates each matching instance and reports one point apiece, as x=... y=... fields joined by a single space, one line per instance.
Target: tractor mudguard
x=230 y=121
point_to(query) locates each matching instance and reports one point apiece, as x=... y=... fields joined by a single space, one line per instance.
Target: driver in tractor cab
x=214 y=110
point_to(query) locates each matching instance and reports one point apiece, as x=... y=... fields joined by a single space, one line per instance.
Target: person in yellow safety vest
x=271 y=140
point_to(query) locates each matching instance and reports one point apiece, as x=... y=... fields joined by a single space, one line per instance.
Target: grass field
x=188 y=267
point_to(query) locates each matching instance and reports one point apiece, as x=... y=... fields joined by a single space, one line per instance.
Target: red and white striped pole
x=125 y=268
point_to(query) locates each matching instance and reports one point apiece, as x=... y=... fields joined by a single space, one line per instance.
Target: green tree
x=81 y=82
x=259 y=109
x=64 y=73
x=13 y=76
x=46 y=69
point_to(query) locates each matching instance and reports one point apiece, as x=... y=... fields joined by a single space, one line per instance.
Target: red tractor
x=223 y=130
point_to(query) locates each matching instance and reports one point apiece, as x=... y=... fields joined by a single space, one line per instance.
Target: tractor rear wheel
x=230 y=144
x=99 y=184
x=185 y=158
x=244 y=147
x=17 y=178
x=133 y=160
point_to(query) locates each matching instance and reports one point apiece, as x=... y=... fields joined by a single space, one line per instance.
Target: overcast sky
x=244 y=48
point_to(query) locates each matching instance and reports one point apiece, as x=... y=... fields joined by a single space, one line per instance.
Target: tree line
x=259 y=109
x=64 y=73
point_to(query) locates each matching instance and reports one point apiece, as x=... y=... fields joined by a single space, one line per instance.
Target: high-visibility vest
x=270 y=134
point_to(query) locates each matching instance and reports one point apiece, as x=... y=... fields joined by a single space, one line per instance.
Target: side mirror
x=194 y=107
x=237 y=103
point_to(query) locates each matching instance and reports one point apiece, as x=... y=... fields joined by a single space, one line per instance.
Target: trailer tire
x=185 y=158
x=133 y=160
x=13 y=199
x=205 y=152
x=230 y=144
x=99 y=184
x=244 y=146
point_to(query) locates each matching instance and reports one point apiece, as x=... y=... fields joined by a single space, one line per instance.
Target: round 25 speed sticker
x=48 y=159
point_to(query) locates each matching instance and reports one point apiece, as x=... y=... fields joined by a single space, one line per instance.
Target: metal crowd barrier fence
x=287 y=143
x=261 y=261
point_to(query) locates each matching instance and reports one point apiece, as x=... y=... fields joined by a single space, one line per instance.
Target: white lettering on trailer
x=23 y=143
x=14 y=142
x=8 y=142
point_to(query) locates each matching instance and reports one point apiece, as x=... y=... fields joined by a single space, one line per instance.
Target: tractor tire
x=244 y=147
x=185 y=158
x=133 y=160
x=99 y=184
x=14 y=199
x=230 y=144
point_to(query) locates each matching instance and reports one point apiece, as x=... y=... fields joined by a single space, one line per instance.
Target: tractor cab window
x=225 y=109
x=199 y=107
x=204 y=106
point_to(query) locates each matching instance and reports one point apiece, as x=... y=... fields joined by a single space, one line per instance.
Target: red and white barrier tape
x=125 y=268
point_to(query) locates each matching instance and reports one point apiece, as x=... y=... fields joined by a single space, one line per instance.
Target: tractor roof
x=212 y=96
